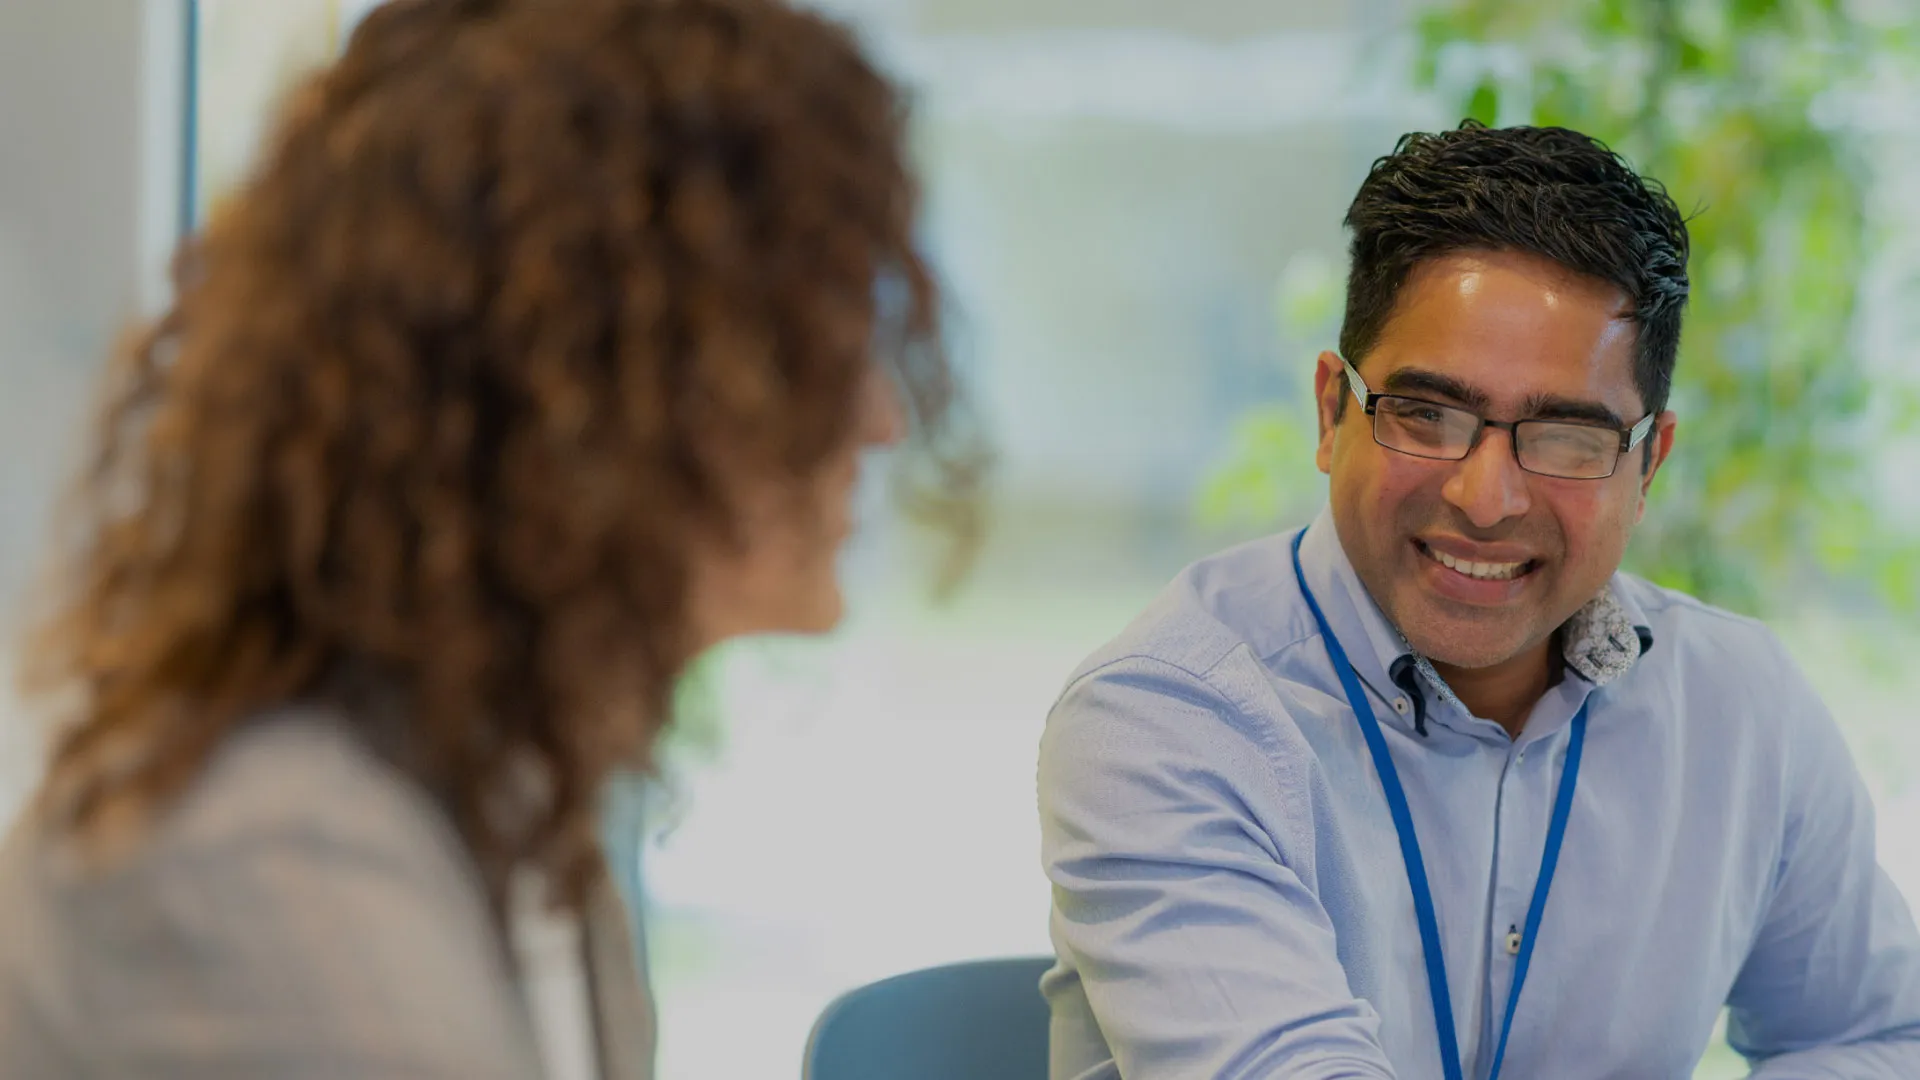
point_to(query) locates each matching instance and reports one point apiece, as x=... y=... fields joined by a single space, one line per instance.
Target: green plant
x=1741 y=108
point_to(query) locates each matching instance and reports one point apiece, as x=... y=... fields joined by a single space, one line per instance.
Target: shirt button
x=1401 y=706
x=1513 y=943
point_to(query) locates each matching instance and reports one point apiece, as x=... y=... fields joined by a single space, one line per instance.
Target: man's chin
x=1465 y=643
x=1470 y=658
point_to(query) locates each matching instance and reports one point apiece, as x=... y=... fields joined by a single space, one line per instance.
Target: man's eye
x=1424 y=414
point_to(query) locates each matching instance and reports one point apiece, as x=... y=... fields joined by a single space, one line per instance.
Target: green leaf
x=1310 y=297
x=1484 y=105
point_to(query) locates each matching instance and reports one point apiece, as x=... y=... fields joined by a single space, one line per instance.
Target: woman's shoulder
x=291 y=806
x=305 y=775
x=302 y=896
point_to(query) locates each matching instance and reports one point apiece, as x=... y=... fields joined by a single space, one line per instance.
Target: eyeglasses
x=1567 y=449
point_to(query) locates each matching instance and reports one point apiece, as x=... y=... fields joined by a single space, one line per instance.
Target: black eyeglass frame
x=1630 y=437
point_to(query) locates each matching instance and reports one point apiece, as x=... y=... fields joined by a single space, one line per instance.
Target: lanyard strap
x=1410 y=847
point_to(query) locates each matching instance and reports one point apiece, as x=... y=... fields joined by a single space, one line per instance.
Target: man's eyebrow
x=1555 y=407
x=1420 y=382
x=1412 y=381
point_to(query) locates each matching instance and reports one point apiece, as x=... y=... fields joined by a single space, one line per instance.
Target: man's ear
x=1659 y=444
x=1329 y=391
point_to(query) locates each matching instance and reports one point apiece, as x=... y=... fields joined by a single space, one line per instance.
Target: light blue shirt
x=1229 y=895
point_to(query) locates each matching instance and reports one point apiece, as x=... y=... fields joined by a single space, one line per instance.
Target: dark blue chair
x=983 y=1020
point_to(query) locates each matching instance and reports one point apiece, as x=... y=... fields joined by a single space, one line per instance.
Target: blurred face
x=785 y=577
x=1478 y=562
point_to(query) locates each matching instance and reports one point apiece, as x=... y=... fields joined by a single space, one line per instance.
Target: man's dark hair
x=1546 y=191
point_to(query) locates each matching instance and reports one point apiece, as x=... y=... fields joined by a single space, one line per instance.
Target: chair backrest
x=982 y=1020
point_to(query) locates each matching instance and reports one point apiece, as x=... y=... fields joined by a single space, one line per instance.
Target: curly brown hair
x=521 y=294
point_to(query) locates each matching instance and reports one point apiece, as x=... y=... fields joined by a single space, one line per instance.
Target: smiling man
x=1432 y=790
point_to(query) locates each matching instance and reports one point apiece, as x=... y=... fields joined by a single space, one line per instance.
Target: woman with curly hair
x=537 y=356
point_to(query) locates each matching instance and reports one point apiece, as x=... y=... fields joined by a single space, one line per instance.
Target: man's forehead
x=1506 y=305
x=1476 y=272
x=1507 y=332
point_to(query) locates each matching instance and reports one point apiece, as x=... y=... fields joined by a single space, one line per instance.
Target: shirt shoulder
x=1697 y=639
x=301 y=907
x=1242 y=600
x=1218 y=671
x=1727 y=675
x=302 y=773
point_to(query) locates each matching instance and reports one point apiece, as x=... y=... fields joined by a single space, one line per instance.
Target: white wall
x=89 y=157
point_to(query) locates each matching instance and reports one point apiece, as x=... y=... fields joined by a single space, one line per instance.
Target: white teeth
x=1485 y=571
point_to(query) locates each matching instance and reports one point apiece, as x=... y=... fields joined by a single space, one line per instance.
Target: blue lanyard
x=1416 y=867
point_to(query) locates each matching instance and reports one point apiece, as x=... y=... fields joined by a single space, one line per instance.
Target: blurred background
x=1136 y=207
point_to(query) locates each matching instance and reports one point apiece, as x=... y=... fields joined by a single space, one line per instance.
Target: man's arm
x=1832 y=985
x=1202 y=953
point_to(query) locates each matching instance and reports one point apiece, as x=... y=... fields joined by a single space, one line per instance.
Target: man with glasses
x=1430 y=789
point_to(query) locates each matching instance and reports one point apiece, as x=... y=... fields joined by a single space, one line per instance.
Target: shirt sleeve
x=1202 y=953
x=1831 y=987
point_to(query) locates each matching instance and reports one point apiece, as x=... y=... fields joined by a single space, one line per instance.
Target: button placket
x=1510 y=779
x=1513 y=858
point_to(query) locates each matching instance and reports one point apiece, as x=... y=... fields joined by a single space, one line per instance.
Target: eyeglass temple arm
x=1638 y=432
x=1355 y=382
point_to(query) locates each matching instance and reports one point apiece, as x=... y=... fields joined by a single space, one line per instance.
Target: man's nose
x=1488 y=485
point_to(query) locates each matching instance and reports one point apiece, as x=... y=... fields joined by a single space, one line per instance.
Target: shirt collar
x=1371 y=641
x=1600 y=643
x=1604 y=639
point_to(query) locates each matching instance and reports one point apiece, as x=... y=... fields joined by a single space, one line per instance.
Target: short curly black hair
x=1546 y=191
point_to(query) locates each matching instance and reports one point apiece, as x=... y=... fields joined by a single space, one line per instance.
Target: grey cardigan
x=304 y=911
